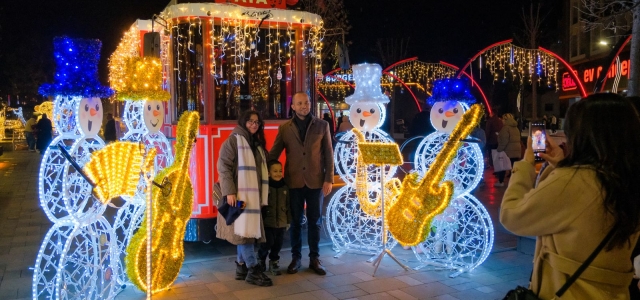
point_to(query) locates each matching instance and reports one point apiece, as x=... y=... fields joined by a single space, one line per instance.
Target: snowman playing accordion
x=461 y=238
x=351 y=228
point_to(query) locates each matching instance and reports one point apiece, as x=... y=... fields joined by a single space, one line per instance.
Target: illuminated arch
x=513 y=57
x=603 y=76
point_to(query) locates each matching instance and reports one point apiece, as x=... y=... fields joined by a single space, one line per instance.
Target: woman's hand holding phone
x=528 y=154
x=554 y=153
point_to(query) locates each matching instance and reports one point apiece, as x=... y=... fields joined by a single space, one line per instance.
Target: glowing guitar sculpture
x=171 y=208
x=419 y=202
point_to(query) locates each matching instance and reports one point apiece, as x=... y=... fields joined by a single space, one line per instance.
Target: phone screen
x=538 y=136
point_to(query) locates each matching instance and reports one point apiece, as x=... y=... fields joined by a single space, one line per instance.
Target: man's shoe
x=241 y=271
x=262 y=264
x=294 y=266
x=317 y=267
x=257 y=277
x=498 y=184
x=274 y=267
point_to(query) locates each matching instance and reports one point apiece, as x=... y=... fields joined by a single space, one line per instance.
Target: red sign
x=281 y=4
x=568 y=84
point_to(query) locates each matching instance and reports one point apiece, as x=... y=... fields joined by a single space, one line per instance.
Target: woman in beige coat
x=508 y=142
x=246 y=143
x=579 y=199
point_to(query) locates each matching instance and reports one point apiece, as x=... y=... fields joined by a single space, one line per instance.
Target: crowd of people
x=583 y=192
x=38 y=133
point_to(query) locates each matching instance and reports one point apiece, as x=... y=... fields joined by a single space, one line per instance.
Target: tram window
x=188 y=60
x=261 y=77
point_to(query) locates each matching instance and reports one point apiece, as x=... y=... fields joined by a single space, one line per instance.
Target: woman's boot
x=257 y=277
x=241 y=271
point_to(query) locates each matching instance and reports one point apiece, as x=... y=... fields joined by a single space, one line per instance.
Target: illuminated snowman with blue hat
x=75 y=257
x=350 y=228
x=461 y=238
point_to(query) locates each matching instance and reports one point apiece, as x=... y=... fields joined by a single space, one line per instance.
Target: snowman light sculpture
x=461 y=237
x=350 y=227
x=143 y=118
x=75 y=257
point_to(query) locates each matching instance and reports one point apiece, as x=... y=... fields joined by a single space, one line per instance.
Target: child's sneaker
x=274 y=267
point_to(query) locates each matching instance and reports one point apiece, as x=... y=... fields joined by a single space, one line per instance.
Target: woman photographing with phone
x=242 y=170
x=580 y=199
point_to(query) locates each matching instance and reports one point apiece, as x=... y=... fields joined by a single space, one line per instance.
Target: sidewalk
x=208 y=270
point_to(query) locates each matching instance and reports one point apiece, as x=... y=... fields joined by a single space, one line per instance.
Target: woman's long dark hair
x=603 y=131
x=258 y=137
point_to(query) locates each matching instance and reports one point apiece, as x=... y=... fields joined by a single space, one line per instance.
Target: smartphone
x=240 y=204
x=538 y=136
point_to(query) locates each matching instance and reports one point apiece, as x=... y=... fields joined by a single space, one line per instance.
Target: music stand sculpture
x=381 y=154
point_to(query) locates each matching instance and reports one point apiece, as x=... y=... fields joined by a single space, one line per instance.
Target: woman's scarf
x=248 y=223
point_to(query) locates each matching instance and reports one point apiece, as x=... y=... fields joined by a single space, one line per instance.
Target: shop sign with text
x=281 y=4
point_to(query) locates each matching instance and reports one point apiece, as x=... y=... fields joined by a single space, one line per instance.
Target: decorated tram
x=220 y=59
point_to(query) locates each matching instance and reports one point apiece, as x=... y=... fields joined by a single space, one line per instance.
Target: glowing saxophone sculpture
x=419 y=201
x=171 y=208
x=380 y=154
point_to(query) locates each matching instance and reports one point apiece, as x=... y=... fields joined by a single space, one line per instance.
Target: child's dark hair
x=273 y=162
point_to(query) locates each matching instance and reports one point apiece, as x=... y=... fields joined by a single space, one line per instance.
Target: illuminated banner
x=281 y=4
x=590 y=71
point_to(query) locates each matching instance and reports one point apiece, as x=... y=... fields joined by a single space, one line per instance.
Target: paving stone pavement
x=209 y=269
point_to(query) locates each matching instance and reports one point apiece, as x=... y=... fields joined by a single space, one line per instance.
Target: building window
x=575 y=12
x=574 y=45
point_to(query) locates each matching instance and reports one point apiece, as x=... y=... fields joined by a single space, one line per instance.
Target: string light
x=171 y=209
x=421 y=200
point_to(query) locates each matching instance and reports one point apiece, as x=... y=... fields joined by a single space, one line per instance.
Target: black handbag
x=523 y=293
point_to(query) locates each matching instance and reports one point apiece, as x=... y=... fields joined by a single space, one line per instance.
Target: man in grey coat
x=308 y=173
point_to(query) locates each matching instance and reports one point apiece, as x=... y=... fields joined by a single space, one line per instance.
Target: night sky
x=450 y=30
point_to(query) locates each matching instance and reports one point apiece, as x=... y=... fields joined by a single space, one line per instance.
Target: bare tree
x=334 y=16
x=531 y=35
x=617 y=16
x=391 y=50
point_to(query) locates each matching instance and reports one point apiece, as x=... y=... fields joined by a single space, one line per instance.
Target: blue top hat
x=451 y=89
x=76 y=69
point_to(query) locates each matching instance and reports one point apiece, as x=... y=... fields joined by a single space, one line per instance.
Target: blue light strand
x=76 y=69
x=451 y=89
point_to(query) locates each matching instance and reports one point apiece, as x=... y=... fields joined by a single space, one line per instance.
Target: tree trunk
x=633 y=88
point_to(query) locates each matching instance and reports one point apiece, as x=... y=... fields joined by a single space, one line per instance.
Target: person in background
x=309 y=175
x=493 y=127
x=329 y=120
x=580 y=198
x=276 y=217
x=45 y=133
x=29 y=133
x=242 y=170
x=345 y=125
x=554 y=123
x=110 y=129
x=509 y=142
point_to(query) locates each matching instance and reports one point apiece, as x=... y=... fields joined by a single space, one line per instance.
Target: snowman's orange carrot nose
x=92 y=112
x=366 y=113
x=156 y=113
x=449 y=114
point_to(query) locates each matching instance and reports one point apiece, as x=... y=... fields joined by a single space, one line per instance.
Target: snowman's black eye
x=149 y=107
x=455 y=110
x=358 y=110
x=86 y=107
x=440 y=110
x=372 y=110
x=97 y=107
x=158 y=107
